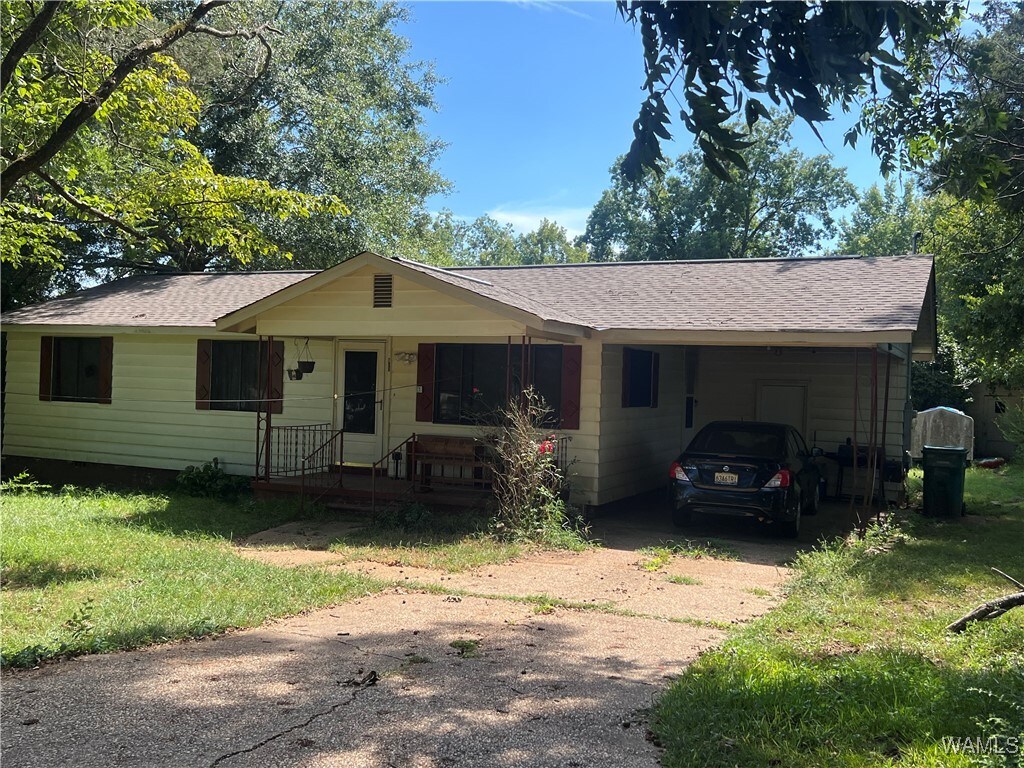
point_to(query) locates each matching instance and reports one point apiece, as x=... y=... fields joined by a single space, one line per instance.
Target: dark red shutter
x=572 y=377
x=46 y=368
x=204 y=373
x=106 y=376
x=277 y=377
x=655 y=370
x=626 y=358
x=425 y=382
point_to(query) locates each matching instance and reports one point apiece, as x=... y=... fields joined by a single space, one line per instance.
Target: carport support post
x=885 y=418
x=871 y=476
x=854 y=459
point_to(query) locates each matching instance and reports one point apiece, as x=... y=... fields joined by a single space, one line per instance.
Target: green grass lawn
x=90 y=571
x=855 y=668
x=413 y=536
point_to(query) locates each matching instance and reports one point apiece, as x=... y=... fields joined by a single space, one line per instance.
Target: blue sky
x=539 y=101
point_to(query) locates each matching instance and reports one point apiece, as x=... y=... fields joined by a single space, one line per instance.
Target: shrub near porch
x=856 y=668
x=99 y=571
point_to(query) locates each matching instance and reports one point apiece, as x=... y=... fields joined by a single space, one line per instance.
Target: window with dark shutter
x=383 y=290
x=76 y=369
x=230 y=375
x=640 y=374
x=472 y=382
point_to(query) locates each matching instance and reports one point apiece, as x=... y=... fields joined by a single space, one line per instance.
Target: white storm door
x=359 y=408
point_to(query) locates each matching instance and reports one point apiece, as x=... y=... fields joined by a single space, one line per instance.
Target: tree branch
x=85 y=109
x=990 y=610
x=91 y=210
x=26 y=40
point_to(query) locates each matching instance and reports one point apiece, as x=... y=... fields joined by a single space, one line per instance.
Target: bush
x=210 y=481
x=529 y=486
x=1011 y=424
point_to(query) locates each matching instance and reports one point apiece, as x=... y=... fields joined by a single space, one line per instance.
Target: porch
x=443 y=471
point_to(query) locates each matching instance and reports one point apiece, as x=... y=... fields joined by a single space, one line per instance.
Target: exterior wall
x=637 y=445
x=152 y=420
x=617 y=452
x=988 y=440
x=727 y=381
x=344 y=308
x=583 y=447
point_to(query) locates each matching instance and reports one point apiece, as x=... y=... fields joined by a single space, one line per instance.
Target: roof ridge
x=778 y=260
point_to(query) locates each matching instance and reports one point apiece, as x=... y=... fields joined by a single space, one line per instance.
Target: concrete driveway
x=378 y=682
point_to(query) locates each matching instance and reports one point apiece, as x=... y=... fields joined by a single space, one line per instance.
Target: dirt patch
x=303 y=534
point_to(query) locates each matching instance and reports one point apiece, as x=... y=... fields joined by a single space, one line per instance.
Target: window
x=230 y=375
x=473 y=381
x=639 y=378
x=76 y=368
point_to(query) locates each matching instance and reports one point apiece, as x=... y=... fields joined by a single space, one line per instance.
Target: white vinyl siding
x=152 y=420
x=638 y=444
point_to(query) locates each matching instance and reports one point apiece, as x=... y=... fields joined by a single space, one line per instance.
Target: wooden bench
x=430 y=455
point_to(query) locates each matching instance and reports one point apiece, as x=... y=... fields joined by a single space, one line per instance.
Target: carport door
x=783 y=404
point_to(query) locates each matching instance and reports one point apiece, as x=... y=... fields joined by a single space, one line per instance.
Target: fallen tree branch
x=991 y=610
x=1010 y=579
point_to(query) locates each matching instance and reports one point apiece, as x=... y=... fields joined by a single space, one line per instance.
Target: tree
x=338 y=109
x=980 y=272
x=782 y=204
x=93 y=117
x=967 y=132
x=487 y=242
x=726 y=57
x=548 y=244
x=884 y=222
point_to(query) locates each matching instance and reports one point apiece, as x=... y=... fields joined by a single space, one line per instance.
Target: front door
x=360 y=404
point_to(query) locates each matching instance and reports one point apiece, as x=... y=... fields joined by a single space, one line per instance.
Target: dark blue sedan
x=748 y=469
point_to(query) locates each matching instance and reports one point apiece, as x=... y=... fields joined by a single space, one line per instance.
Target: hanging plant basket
x=305 y=363
x=294 y=374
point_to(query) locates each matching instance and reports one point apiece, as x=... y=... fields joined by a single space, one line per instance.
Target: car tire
x=790 y=529
x=812 y=508
x=682 y=517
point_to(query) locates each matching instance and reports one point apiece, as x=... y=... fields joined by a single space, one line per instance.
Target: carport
x=833 y=361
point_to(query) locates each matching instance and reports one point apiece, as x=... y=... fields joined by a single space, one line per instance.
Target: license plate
x=726 y=478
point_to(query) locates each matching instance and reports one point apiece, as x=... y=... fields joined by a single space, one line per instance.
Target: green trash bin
x=944 y=470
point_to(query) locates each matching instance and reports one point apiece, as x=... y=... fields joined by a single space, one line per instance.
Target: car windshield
x=738 y=441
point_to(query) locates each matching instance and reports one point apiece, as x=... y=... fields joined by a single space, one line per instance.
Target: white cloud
x=527 y=217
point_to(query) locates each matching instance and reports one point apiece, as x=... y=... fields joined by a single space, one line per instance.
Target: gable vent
x=383 y=289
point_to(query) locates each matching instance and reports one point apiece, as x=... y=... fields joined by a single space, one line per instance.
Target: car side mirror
x=815 y=452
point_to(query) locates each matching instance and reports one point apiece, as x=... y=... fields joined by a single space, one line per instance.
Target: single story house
x=166 y=371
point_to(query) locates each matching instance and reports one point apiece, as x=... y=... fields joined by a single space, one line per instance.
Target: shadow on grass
x=36 y=574
x=946 y=555
x=188 y=516
x=747 y=706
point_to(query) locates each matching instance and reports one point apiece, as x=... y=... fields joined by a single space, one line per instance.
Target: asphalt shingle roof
x=826 y=294
x=158 y=300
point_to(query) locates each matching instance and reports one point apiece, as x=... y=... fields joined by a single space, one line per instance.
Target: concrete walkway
x=377 y=682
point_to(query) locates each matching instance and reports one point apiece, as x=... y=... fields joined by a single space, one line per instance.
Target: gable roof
x=849 y=294
x=174 y=300
x=835 y=294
